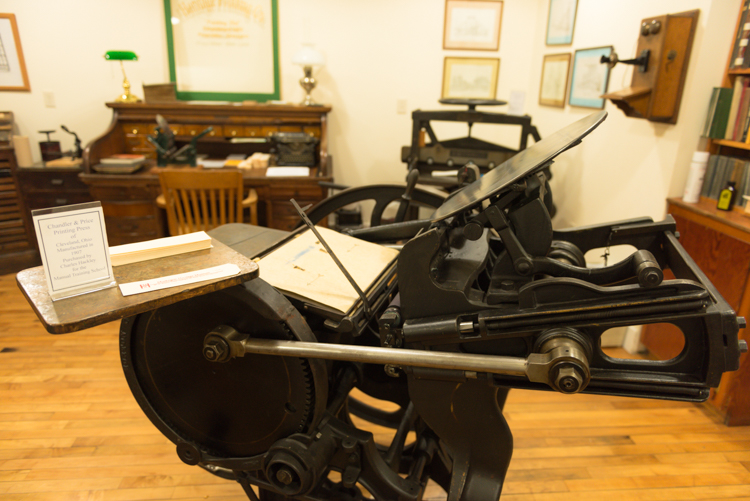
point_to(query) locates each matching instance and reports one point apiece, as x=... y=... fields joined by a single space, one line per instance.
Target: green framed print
x=223 y=51
x=590 y=78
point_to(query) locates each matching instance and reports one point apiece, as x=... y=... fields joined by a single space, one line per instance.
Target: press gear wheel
x=234 y=409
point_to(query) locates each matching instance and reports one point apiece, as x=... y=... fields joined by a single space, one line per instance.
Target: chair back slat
x=201 y=200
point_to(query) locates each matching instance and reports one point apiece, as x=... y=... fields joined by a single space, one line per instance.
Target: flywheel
x=234 y=409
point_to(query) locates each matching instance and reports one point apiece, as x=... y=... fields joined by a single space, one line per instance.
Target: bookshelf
x=719 y=242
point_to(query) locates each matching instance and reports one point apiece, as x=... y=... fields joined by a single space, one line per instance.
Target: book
x=739 y=82
x=721 y=113
x=711 y=109
x=741 y=178
x=719 y=179
x=742 y=112
x=739 y=48
x=160 y=247
x=709 y=175
x=123 y=159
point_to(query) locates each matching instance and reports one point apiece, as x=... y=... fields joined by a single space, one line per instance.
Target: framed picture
x=223 y=51
x=12 y=66
x=472 y=24
x=561 y=21
x=590 y=78
x=470 y=77
x=554 y=86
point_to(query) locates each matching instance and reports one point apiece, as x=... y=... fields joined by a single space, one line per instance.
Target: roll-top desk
x=128 y=200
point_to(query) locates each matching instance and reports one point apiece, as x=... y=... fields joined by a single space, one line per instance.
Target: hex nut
x=569 y=380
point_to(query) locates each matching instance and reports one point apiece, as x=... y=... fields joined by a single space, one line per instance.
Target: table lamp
x=308 y=57
x=123 y=55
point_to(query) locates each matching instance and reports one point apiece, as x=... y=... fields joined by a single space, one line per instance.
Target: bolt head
x=569 y=380
x=284 y=476
x=214 y=351
x=507 y=285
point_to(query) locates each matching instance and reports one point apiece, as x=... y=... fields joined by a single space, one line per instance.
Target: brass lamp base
x=308 y=83
x=126 y=96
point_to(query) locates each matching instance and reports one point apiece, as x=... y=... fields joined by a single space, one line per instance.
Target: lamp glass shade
x=121 y=55
x=308 y=56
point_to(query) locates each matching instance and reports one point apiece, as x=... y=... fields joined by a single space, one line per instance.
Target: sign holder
x=74 y=250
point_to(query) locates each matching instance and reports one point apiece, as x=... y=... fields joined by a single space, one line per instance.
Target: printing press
x=484 y=295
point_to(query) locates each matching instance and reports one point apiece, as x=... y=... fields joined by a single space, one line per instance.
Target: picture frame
x=589 y=78
x=561 y=22
x=472 y=24
x=13 y=76
x=470 y=77
x=223 y=51
x=553 y=88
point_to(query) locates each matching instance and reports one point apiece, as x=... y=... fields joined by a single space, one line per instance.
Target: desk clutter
x=242 y=130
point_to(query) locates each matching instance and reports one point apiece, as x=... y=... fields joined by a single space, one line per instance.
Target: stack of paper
x=161 y=247
x=302 y=268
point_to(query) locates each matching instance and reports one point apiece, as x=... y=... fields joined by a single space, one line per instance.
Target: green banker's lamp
x=123 y=55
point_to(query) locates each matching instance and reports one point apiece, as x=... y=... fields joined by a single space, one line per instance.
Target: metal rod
x=512 y=366
x=310 y=225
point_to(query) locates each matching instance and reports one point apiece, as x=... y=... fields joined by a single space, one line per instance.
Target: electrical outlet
x=400 y=106
x=49 y=99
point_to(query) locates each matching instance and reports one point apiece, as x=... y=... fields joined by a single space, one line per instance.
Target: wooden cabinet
x=44 y=187
x=128 y=200
x=719 y=243
x=17 y=249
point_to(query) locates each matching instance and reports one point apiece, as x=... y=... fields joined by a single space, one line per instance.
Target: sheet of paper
x=304 y=268
x=155 y=284
x=288 y=171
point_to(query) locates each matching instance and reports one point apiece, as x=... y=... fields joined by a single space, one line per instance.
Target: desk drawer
x=311 y=192
x=123 y=193
x=146 y=226
x=129 y=209
x=127 y=231
x=45 y=200
x=53 y=181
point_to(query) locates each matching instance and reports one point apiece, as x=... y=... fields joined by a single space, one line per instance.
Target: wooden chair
x=198 y=200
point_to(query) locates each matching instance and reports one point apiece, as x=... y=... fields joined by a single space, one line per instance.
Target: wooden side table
x=719 y=242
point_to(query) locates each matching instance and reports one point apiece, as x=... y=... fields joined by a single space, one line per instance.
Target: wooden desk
x=128 y=200
x=719 y=242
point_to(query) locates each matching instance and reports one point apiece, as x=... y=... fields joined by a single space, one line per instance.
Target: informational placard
x=73 y=245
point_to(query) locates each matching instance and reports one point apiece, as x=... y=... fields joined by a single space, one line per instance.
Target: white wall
x=379 y=52
x=627 y=167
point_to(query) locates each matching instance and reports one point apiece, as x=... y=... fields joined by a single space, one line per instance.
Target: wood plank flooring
x=70 y=430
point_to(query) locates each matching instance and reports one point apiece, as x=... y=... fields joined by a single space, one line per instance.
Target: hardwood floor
x=71 y=430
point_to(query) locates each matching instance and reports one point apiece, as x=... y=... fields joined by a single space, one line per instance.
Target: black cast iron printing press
x=484 y=296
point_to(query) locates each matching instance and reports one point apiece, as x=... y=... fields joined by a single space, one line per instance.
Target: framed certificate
x=472 y=24
x=552 y=90
x=470 y=77
x=590 y=78
x=223 y=51
x=12 y=66
x=561 y=21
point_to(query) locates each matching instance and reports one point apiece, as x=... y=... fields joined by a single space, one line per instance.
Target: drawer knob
x=61 y=201
x=56 y=182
